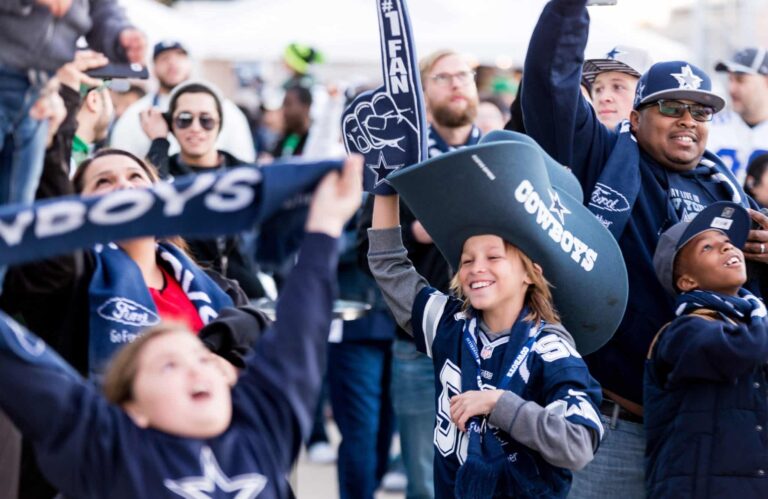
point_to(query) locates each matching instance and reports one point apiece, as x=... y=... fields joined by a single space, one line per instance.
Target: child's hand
x=336 y=198
x=473 y=403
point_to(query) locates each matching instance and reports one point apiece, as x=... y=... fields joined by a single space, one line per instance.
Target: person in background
x=756 y=183
x=489 y=117
x=611 y=82
x=195 y=119
x=741 y=134
x=173 y=66
x=296 y=122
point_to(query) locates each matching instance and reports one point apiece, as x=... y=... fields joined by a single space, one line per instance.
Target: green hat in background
x=299 y=57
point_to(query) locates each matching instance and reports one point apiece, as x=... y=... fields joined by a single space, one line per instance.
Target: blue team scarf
x=618 y=185
x=437 y=146
x=488 y=466
x=121 y=305
x=745 y=307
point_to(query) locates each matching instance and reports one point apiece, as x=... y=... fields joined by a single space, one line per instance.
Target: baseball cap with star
x=621 y=58
x=679 y=80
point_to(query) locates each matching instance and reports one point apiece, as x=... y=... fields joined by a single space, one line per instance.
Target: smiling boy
x=706 y=406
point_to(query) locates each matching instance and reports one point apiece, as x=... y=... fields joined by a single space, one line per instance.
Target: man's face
x=450 y=92
x=747 y=91
x=195 y=138
x=675 y=143
x=612 y=96
x=172 y=67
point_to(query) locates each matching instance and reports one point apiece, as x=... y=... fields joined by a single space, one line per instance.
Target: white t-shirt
x=736 y=142
x=235 y=137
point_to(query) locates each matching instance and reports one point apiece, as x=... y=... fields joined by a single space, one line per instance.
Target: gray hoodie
x=32 y=38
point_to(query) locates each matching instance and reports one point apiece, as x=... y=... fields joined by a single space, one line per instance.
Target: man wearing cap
x=612 y=80
x=650 y=173
x=741 y=134
x=172 y=66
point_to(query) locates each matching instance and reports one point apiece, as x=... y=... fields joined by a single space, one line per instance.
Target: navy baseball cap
x=676 y=80
x=750 y=60
x=161 y=47
x=731 y=219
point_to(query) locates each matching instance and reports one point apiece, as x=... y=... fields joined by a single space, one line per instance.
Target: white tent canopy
x=346 y=30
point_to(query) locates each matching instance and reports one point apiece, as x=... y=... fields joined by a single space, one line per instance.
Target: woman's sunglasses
x=184 y=120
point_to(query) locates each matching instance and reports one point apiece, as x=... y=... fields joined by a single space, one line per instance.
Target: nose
x=686 y=120
x=124 y=183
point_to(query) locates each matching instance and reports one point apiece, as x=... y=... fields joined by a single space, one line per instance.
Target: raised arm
x=282 y=380
x=555 y=112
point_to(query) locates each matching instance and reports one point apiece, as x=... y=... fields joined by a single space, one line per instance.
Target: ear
x=686 y=283
x=136 y=414
x=92 y=101
x=634 y=120
x=749 y=182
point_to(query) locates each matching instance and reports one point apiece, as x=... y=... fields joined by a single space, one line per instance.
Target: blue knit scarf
x=121 y=305
x=437 y=146
x=744 y=308
x=616 y=190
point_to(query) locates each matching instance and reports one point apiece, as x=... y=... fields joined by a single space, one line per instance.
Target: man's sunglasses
x=184 y=120
x=675 y=109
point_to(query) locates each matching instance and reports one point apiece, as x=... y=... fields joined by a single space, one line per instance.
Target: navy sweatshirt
x=89 y=448
x=561 y=120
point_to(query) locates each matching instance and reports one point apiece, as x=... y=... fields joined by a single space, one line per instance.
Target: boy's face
x=180 y=388
x=491 y=274
x=710 y=262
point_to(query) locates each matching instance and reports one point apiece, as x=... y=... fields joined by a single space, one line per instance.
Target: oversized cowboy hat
x=504 y=188
x=559 y=175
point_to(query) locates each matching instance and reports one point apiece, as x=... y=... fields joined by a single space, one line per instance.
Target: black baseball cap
x=164 y=45
x=749 y=60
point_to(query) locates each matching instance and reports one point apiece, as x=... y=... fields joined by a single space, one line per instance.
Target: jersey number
x=448 y=438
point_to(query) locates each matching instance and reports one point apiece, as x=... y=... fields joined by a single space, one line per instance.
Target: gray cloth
x=32 y=38
x=395 y=274
x=559 y=441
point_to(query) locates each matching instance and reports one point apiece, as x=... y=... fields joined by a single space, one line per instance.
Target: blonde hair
x=122 y=370
x=426 y=64
x=538 y=297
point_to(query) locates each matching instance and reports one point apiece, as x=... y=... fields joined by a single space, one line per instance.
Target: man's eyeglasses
x=445 y=79
x=185 y=119
x=675 y=109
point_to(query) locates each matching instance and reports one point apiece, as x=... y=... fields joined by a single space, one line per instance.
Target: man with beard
x=450 y=96
x=173 y=66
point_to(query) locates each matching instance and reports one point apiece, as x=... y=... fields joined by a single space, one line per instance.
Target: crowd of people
x=563 y=298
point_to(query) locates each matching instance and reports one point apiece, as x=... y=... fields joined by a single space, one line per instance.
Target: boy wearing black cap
x=705 y=400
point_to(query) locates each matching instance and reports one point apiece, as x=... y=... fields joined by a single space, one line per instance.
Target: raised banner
x=388 y=125
x=205 y=204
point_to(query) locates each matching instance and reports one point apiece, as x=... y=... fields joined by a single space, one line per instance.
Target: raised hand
x=388 y=125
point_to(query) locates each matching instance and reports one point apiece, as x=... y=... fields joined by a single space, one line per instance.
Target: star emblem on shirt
x=613 y=53
x=382 y=169
x=557 y=207
x=247 y=486
x=687 y=79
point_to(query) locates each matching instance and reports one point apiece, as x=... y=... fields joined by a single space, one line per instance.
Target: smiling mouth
x=734 y=260
x=684 y=139
x=480 y=284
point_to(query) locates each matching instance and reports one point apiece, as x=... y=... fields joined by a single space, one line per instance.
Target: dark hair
x=77 y=178
x=194 y=88
x=755 y=172
x=302 y=93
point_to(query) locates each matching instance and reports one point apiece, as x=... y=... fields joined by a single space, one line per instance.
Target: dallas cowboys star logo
x=382 y=169
x=247 y=486
x=687 y=79
x=613 y=53
x=557 y=207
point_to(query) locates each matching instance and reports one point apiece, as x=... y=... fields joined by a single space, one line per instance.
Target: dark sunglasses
x=675 y=109
x=184 y=120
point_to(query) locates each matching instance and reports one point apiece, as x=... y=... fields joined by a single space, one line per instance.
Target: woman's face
x=180 y=388
x=114 y=172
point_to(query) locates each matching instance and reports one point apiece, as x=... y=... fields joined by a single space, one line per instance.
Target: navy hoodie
x=89 y=448
x=561 y=120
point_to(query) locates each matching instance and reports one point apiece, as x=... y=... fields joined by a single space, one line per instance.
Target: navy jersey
x=89 y=448
x=553 y=375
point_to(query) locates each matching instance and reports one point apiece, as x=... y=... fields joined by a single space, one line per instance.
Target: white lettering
x=59 y=218
x=229 y=194
x=12 y=233
x=175 y=200
x=121 y=206
x=393 y=17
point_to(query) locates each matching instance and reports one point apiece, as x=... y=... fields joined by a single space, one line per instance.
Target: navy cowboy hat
x=505 y=188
